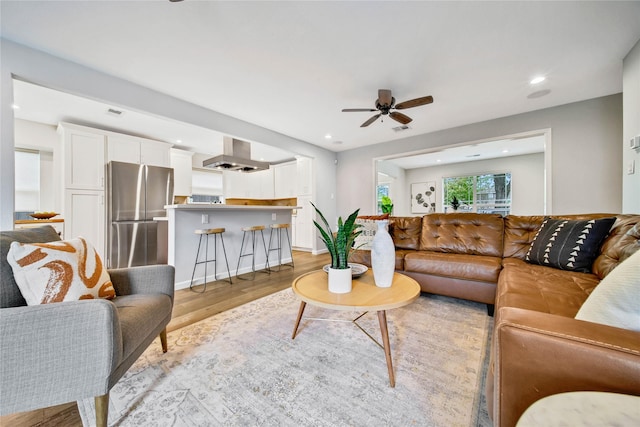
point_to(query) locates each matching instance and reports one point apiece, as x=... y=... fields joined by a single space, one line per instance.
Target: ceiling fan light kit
x=385 y=103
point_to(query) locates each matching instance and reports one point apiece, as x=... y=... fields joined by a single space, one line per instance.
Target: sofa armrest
x=540 y=354
x=150 y=279
x=57 y=353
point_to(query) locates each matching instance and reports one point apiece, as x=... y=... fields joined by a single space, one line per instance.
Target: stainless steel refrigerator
x=135 y=195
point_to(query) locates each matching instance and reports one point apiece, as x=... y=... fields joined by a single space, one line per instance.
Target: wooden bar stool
x=206 y=233
x=278 y=229
x=252 y=230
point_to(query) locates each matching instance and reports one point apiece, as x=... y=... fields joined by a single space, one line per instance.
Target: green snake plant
x=340 y=243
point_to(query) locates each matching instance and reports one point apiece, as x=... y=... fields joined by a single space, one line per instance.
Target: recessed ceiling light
x=178 y=141
x=15 y=106
x=505 y=151
x=438 y=161
x=537 y=80
x=539 y=94
x=327 y=136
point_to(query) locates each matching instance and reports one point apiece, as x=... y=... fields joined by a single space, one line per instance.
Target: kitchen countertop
x=219 y=206
x=38 y=221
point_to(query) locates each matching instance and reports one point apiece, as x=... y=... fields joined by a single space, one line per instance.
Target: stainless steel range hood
x=236 y=156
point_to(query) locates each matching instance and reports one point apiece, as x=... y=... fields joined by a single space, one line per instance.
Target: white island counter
x=183 y=220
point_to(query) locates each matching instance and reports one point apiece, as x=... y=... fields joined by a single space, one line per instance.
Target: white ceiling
x=292 y=66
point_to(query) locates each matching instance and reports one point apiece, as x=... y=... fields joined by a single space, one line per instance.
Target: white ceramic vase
x=383 y=256
x=340 y=280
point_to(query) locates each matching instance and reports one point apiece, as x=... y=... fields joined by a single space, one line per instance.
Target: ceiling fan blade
x=371 y=120
x=399 y=117
x=415 y=102
x=384 y=97
x=352 y=110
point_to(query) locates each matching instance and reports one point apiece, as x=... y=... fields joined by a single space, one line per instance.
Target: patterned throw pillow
x=368 y=228
x=66 y=270
x=614 y=301
x=569 y=244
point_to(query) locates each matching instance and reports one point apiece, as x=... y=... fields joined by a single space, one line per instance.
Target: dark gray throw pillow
x=569 y=244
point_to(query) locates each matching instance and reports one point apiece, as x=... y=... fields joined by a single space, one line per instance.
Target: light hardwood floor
x=189 y=307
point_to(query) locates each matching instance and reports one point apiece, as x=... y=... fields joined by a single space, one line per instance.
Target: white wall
x=56 y=73
x=527 y=180
x=631 y=105
x=586 y=154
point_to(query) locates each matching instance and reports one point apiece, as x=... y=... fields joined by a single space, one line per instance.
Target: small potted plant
x=455 y=203
x=339 y=245
x=387 y=205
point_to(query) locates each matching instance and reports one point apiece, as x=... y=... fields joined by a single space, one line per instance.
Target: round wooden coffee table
x=312 y=288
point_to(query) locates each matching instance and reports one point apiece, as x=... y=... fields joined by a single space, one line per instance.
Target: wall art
x=423 y=197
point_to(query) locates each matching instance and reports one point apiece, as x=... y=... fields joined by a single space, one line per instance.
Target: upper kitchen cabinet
x=182 y=162
x=84 y=157
x=131 y=149
x=284 y=179
x=122 y=149
x=304 y=178
x=248 y=185
x=155 y=153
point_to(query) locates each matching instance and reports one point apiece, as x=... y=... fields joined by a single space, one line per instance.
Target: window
x=383 y=190
x=486 y=193
x=27 y=179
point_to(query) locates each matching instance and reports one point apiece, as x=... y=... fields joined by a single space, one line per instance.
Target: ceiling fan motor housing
x=384 y=108
x=385 y=103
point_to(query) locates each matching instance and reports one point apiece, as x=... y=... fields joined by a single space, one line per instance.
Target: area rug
x=241 y=368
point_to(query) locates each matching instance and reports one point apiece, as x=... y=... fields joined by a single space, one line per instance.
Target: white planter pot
x=340 y=280
x=383 y=256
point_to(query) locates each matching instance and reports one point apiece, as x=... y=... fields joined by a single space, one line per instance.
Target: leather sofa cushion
x=469 y=267
x=622 y=242
x=405 y=231
x=519 y=232
x=463 y=233
x=543 y=289
x=362 y=256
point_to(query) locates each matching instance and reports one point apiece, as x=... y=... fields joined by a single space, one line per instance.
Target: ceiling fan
x=385 y=103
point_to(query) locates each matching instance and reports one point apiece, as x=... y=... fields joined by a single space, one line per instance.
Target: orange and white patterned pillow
x=66 y=270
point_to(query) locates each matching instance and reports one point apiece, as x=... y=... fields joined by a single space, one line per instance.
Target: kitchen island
x=183 y=220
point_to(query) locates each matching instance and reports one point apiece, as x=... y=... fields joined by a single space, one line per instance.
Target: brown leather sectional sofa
x=538 y=348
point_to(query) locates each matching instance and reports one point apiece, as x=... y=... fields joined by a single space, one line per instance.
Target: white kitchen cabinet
x=155 y=153
x=303 y=227
x=181 y=162
x=235 y=185
x=304 y=178
x=123 y=149
x=262 y=184
x=84 y=157
x=284 y=180
x=253 y=185
x=85 y=216
x=131 y=149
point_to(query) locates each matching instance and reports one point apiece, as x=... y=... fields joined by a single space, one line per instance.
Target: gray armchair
x=63 y=352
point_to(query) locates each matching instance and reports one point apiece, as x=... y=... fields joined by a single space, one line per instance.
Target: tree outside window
x=486 y=193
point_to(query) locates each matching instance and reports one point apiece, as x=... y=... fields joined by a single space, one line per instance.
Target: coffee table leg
x=382 y=318
x=300 y=311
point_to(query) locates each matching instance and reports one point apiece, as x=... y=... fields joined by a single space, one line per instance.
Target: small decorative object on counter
x=383 y=256
x=43 y=215
x=339 y=245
